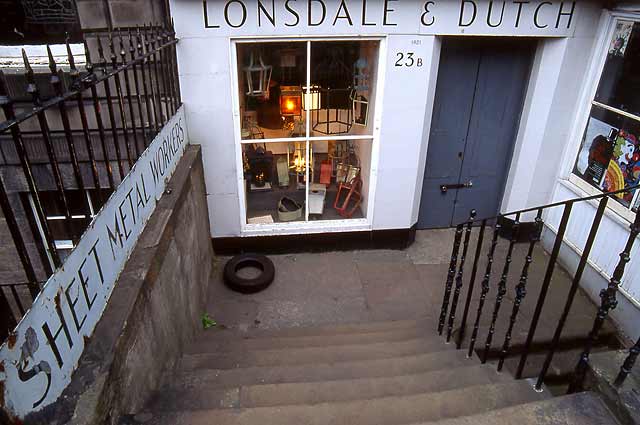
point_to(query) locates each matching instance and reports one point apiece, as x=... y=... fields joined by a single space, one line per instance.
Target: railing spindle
x=112 y=114
x=143 y=50
x=127 y=87
x=77 y=84
x=485 y=286
x=170 y=69
x=7 y=320
x=45 y=239
x=472 y=282
x=150 y=44
x=628 y=364
x=163 y=75
x=134 y=68
x=521 y=289
x=572 y=291
x=459 y=276
x=502 y=288
x=91 y=81
x=120 y=100
x=56 y=83
x=33 y=90
x=174 y=59
x=608 y=303
x=545 y=286
x=450 y=276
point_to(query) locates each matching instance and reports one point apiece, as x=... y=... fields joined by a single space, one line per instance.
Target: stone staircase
x=397 y=372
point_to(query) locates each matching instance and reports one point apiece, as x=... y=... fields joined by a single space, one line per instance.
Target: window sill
x=304 y=227
x=614 y=211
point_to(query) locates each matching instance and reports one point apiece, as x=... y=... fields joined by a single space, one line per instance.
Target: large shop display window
x=306 y=126
x=609 y=156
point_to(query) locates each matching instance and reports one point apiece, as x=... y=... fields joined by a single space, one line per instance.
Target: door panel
x=497 y=105
x=448 y=134
x=479 y=95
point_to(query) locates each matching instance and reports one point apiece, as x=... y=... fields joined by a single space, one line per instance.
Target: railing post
x=521 y=288
x=459 y=276
x=572 y=291
x=450 y=276
x=626 y=367
x=502 y=288
x=472 y=282
x=608 y=303
x=485 y=286
x=545 y=286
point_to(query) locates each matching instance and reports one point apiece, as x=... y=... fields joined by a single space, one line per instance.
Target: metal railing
x=82 y=138
x=509 y=226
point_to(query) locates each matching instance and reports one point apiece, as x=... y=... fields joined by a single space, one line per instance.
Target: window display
x=299 y=162
x=609 y=156
x=280 y=182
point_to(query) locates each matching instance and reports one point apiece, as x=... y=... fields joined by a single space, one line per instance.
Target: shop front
x=327 y=116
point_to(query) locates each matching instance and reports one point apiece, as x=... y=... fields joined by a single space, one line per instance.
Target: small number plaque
x=408 y=59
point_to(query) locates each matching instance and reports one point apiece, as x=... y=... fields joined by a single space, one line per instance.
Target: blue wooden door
x=479 y=96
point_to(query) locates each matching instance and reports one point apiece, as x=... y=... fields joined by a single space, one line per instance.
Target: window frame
x=306 y=226
x=587 y=101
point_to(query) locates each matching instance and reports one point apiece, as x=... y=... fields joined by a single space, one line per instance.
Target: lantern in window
x=311 y=98
x=361 y=74
x=258 y=77
x=360 y=110
x=290 y=101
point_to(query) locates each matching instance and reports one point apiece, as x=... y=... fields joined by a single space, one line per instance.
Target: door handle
x=445 y=187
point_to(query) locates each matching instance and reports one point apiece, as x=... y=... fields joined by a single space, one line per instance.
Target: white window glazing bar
x=307 y=134
x=616 y=110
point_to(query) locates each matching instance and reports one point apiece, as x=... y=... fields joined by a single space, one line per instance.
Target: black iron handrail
x=130 y=92
x=532 y=234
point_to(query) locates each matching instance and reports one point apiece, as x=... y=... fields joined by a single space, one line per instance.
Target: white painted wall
x=398 y=164
x=612 y=237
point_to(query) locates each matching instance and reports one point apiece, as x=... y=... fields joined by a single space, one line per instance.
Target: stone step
x=298 y=356
x=220 y=342
x=322 y=330
x=326 y=391
x=422 y=407
x=403 y=365
x=576 y=409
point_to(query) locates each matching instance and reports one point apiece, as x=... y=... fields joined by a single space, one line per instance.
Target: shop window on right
x=340 y=179
x=609 y=156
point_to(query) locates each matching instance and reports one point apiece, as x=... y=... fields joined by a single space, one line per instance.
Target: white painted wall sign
x=464 y=17
x=36 y=363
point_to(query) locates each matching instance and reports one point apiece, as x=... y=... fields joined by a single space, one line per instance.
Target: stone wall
x=154 y=310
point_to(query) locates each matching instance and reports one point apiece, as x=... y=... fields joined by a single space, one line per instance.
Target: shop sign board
x=38 y=359
x=535 y=18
